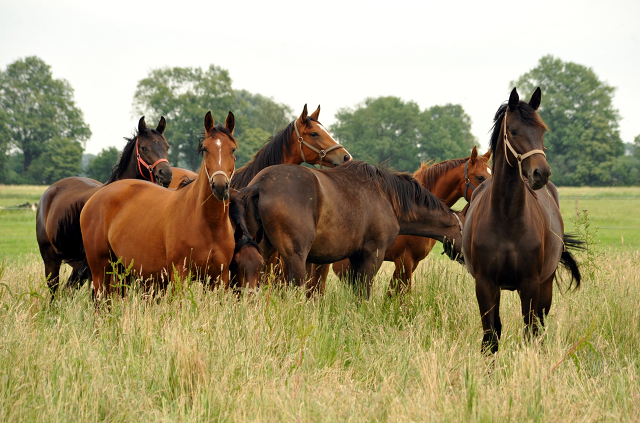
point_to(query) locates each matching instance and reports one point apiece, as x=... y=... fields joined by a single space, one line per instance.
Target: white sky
x=332 y=53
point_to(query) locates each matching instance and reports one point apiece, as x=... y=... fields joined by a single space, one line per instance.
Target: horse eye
x=314 y=134
x=514 y=132
x=233 y=151
x=144 y=148
x=480 y=178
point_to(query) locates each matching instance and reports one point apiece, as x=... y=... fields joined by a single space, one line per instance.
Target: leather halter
x=146 y=165
x=519 y=157
x=321 y=153
x=467 y=181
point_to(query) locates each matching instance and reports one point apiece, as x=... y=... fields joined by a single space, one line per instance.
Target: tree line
x=43 y=133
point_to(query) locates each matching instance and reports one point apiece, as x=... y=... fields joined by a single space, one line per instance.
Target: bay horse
x=354 y=211
x=165 y=233
x=514 y=234
x=58 y=216
x=449 y=180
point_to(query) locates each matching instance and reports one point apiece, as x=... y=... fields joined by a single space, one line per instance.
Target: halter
x=467 y=181
x=146 y=165
x=519 y=157
x=219 y=172
x=321 y=153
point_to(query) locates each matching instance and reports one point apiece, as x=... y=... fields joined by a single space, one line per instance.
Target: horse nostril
x=347 y=157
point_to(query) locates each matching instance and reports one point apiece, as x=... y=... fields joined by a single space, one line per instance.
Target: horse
x=513 y=237
x=449 y=180
x=58 y=216
x=152 y=229
x=353 y=211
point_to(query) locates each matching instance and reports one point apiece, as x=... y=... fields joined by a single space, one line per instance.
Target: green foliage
x=252 y=140
x=38 y=115
x=100 y=167
x=387 y=129
x=583 y=141
x=588 y=235
x=60 y=159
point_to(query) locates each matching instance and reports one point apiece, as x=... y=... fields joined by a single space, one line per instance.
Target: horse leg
x=318 y=278
x=546 y=296
x=296 y=269
x=529 y=295
x=51 y=267
x=342 y=268
x=488 y=301
x=79 y=274
x=401 y=279
x=363 y=272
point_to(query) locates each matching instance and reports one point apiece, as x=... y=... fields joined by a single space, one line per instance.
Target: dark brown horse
x=449 y=181
x=354 y=211
x=58 y=217
x=165 y=233
x=514 y=235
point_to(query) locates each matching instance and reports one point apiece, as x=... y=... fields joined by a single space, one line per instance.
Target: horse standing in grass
x=449 y=181
x=354 y=211
x=514 y=235
x=165 y=232
x=58 y=217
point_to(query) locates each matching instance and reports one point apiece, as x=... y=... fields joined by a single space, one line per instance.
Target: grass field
x=198 y=355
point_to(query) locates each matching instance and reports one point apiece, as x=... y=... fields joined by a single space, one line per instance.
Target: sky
x=332 y=53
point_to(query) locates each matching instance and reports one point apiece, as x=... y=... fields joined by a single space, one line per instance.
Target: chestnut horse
x=354 y=211
x=165 y=232
x=449 y=181
x=514 y=235
x=58 y=217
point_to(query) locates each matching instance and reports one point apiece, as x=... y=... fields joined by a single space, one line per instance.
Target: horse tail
x=237 y=217
x=248 y=199
x=568 y=261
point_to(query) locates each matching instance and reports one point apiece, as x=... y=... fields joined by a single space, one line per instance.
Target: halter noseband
x=519 y=157
x=146 y=165
x=321 y=153
x=218 y=172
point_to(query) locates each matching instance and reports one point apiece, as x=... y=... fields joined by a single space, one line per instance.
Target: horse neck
x=508 y=190
x=435 y=223
x=201 y=198
x=447 y=186
x=130 y=169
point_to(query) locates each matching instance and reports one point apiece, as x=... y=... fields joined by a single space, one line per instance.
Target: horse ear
x=536 y=98
x=208 y=122
x=316 y=114
x=230 y=123
x=142 y=126
x=162 y=125
x=487 y=155
x=474 y=153
x=514 y=99
x=303 y=115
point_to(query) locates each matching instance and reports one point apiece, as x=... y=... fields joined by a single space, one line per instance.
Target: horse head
x=523 y=132
x=476 y=171
x=218 y=148
x=152 y=152
x=321 y=148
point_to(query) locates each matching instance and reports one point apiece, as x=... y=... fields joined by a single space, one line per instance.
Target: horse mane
x=127 y=152
x=428 y=174
x=271 y=153
x=184 y=182
x=218 y=128
x=527 y=114
x=403 y=189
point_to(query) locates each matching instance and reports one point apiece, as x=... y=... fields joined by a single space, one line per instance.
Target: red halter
x=146 y=165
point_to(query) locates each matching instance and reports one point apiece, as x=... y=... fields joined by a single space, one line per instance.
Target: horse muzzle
x=338 y=157
x=220 y=189
x=163 y=174
x=540 y=176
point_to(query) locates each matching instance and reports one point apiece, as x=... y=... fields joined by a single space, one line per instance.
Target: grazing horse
x=165 y=232
x=514 y=235
x=58 y=217
x=354 y=211
x=449 y=181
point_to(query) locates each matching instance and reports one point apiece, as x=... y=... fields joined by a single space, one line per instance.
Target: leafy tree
x=249 y=142
x=60 y=159
x=38 y=110
x=100 y=167
x=387 y=129
x=583 y=141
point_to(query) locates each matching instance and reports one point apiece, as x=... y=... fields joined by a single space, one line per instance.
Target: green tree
x=583 y=142
x=60 y=159
x=100 y=167
x=387 y=129
x=38 y=110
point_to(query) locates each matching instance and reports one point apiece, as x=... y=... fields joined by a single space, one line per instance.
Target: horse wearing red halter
x=449 y=181
x=513 y=238
x=165 y=233
x=58 y=217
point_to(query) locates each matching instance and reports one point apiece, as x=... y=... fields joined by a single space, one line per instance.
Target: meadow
x=201 y=355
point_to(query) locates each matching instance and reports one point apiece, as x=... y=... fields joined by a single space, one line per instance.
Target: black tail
x=568 y=261
x=248 y=199
x=237 y=217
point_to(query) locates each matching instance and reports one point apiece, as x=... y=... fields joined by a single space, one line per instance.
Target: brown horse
x=58 y=217
x=165 y=233
x=449 y=181
x=514 y=236
x=354 y=211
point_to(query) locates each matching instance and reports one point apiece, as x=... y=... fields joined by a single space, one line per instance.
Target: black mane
x=128 y=153
x=527 y=114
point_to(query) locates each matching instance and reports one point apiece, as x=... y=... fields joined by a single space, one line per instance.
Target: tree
x=38 y=110
x=387 y=129
x=100 y=167
x=60 y=159
x=583 y=141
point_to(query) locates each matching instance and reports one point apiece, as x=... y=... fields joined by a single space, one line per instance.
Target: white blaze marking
x=489 y=170
x=322 y=127
x=219 y=144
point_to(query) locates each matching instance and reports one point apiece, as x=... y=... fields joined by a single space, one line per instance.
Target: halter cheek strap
x=146 y=165
x=321 y=153
x=519 y=157
x=467 y=183
x=218 y=172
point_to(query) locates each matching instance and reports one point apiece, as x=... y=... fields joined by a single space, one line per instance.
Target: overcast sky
x=332 y=53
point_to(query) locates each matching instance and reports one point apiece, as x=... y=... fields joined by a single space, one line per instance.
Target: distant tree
x=388 y=129
x=636 y=147
x=38 y=110
x=60 y=159
x=583 y=141
x=100 y=167
x=249 y=142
